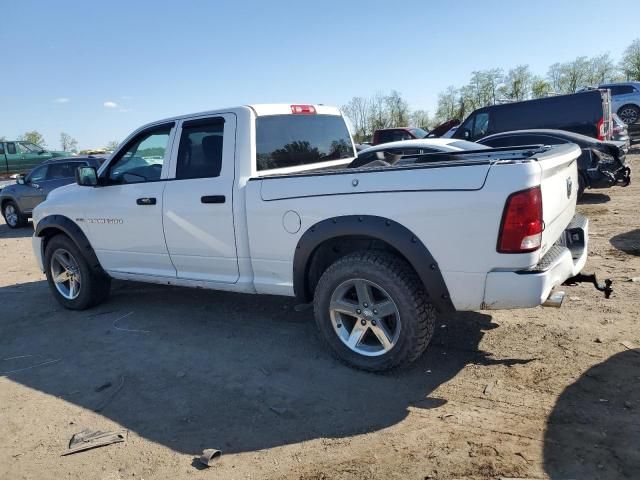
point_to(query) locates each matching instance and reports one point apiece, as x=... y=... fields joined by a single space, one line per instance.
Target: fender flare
x=389 y=231
x=68 y=227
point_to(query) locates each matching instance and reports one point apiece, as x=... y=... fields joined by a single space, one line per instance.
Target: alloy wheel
x=11 y=215
x=365 y=317
x=629 y=115
x=65 y=273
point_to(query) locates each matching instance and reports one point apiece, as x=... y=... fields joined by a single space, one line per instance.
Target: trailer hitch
x=591 y=278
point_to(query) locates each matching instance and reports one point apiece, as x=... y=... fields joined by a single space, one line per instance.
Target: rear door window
x=200 y=152
x=61 y=170
x=11 y=148
x=1 y=148
x=292 y=140
x=621 y=89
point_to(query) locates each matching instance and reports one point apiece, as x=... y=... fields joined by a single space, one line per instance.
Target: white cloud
x=110 y=104
x=62 y=100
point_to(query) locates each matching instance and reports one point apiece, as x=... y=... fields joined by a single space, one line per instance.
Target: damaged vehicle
x=260 y=199
x=601 y=164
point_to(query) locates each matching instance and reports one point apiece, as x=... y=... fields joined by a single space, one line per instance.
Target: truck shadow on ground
x=192 y=369
x=6 y=232
x=594 y=428
x=628 y=242
x=592 y=198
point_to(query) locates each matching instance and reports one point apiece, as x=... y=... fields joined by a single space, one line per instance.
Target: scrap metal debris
x=88 y=439
x=210 y=456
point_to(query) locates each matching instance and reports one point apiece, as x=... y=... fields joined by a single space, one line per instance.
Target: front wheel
x=372 y=311
x=74 y=284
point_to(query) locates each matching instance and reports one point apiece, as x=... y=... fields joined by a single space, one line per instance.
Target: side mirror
x=20 y=180
x=41 y=152
x=86 y=176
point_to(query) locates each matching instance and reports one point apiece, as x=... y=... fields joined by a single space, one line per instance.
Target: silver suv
x=625 y=100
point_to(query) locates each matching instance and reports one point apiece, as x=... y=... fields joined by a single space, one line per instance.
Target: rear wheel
x=372 y=311
x=629 y=114
x=74 y=284
x=582 y=185
x=12 y=215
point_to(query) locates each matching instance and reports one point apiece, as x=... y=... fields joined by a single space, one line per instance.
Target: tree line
x=491 y=86
x=67 y=142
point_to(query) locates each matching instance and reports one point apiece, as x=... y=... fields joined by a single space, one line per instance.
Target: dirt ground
x=539 y=393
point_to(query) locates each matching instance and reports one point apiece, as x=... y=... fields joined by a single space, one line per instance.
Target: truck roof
x=259 y=109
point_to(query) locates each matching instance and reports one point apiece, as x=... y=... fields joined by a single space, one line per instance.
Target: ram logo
x=569 y=187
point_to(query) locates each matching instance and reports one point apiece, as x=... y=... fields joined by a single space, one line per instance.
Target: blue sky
x=64 y=61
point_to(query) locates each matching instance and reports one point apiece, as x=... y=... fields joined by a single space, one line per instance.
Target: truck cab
x=20 y=156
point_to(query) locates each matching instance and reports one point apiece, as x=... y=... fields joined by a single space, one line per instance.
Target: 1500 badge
x=108 y=221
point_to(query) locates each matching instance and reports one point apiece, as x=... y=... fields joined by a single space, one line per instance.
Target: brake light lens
x=522 y=224
x=303 y=109
x=600 y=127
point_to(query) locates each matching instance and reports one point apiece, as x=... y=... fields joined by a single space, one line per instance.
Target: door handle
x=146 y=201
x=213 y=199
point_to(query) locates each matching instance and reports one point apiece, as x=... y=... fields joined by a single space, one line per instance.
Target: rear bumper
x=532 y=287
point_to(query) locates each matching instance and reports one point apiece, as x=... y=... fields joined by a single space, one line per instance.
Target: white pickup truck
x=261 y=199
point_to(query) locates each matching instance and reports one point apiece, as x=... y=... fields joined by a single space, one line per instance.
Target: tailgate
x=559 y=186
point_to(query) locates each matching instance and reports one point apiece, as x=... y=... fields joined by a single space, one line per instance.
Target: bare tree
x=357 y=111
x=540 y=87
x=517 y=84
x=112 y=145
x=34 y=137
x=68 y=143
x=568 y=77
x=420 y=118
x=397 y=109
x=601 y=69
x=630 y=63
x=448 y=104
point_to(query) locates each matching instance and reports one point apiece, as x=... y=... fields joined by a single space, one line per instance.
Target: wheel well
x=332 y=249
x=629 y=105
x=5 y=201
x=48 y=233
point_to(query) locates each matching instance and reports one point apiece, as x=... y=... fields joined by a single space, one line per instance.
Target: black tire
x=94 y=286
x=405 y=289
x=629 y=114
x=582 y=185
x=13 y=218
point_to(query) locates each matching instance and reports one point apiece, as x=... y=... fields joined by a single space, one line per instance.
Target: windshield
x=292 y=140
x=418 y=132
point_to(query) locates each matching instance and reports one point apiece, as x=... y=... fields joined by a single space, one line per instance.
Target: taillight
x=600 y=127
x=303 y=109
x=522 y=224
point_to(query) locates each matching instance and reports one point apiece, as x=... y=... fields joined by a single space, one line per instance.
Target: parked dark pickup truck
x=17 y=156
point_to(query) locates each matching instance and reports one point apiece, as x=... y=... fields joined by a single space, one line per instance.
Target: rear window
x=292 y=140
